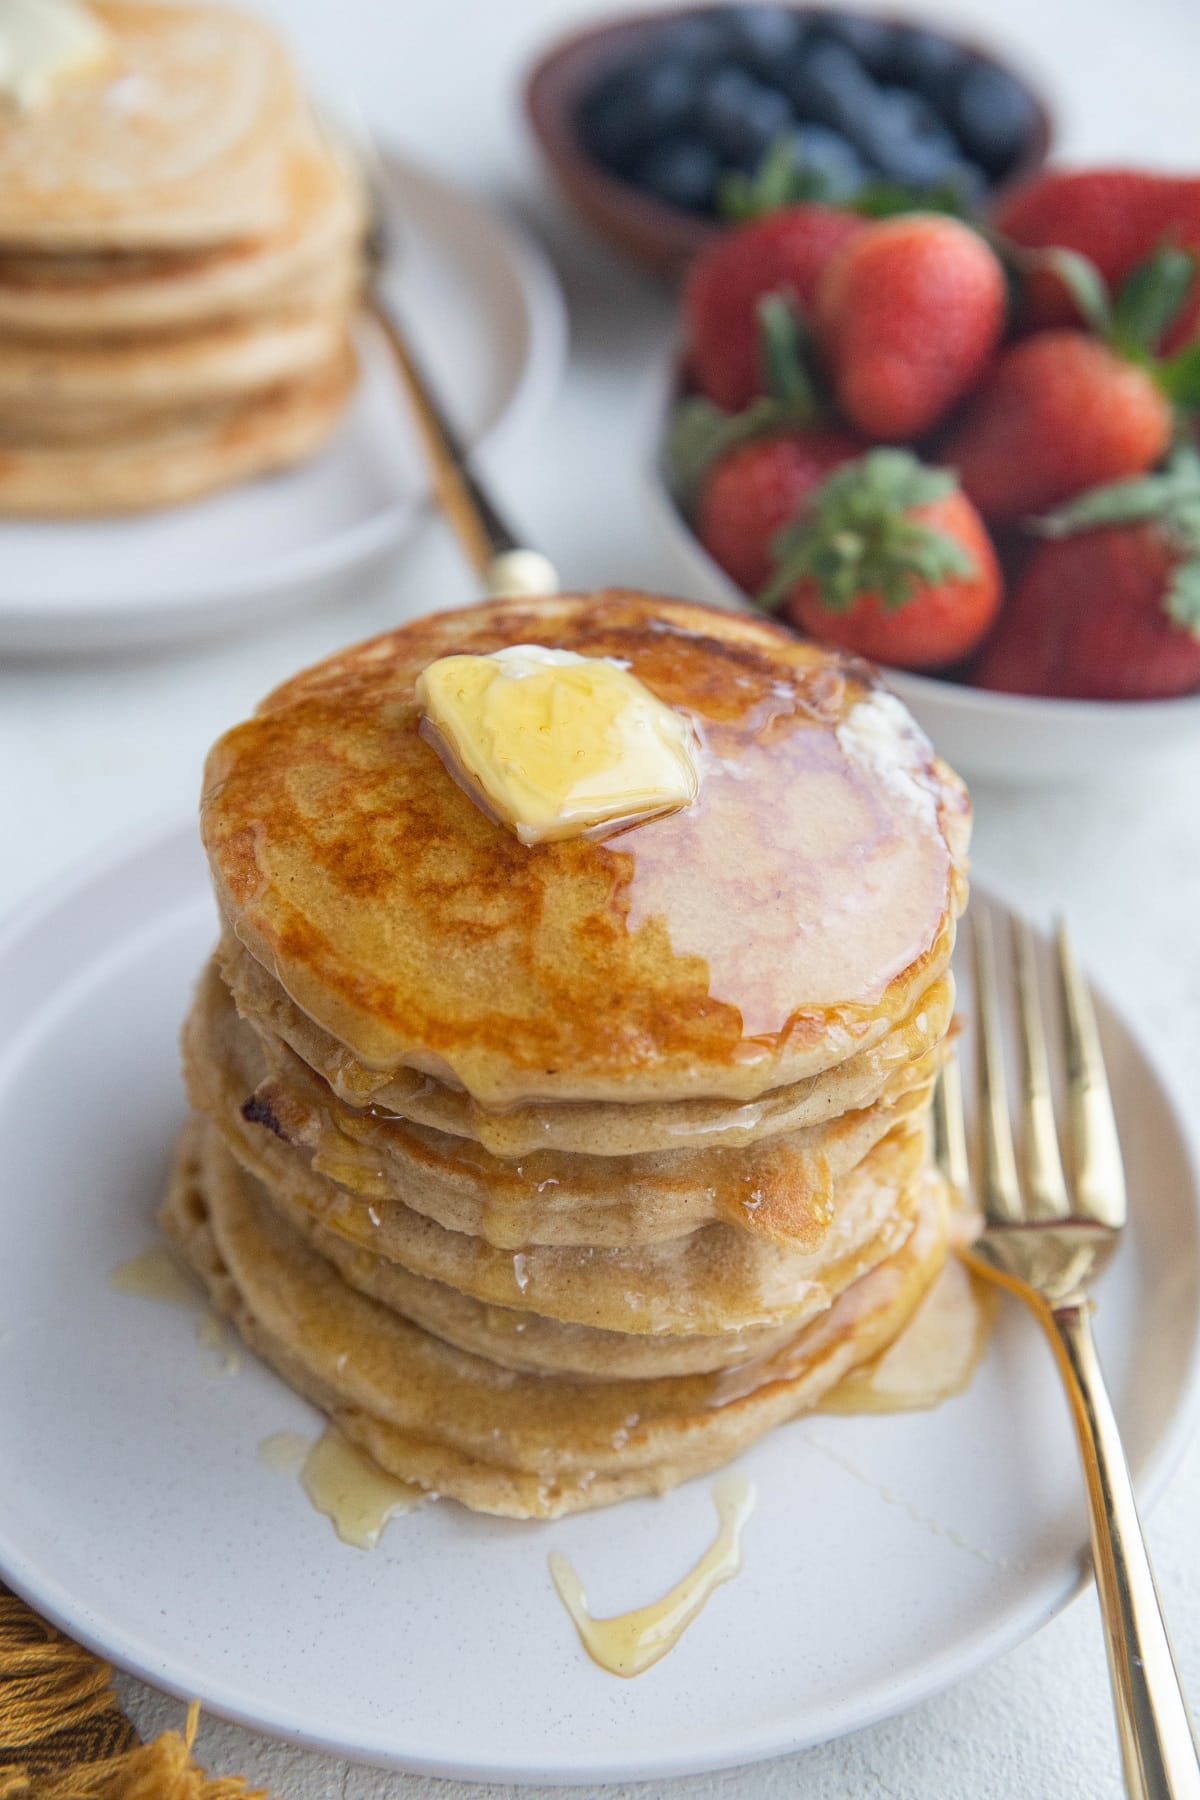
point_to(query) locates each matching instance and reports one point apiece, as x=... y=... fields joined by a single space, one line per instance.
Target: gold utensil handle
x=1158 y=1743
x=503 y=563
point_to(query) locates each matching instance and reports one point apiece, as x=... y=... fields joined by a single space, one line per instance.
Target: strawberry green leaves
x=784 y=349
x=701 y=432
x=1151 y=299
x=857 y=535
x=1169 y=499
x=1148 y=303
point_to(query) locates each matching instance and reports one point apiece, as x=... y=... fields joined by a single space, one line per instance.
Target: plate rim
x=277 y=582
x=172 y=835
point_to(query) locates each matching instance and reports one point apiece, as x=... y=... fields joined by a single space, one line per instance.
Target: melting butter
x=553 y=744
x=44 y=43
x=935 y=1355
x=630 y=1643
x=154 y=1274
x=352 y=1491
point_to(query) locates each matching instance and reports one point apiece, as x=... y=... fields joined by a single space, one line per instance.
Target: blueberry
x=903 y=138
x=905 y=111
x=831 y=87
x=635 y=106
x=682 y=171
x=667 y=93
x=702 y=42
x=926 y=61
x=763 y=38
x=913 y=161
x=610 y=129
x=740 y=117
x=994 y=117
x=836 y=168
x=867 y=38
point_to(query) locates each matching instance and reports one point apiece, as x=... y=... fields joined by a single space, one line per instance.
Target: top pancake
x=182 y=139
x=782 y=923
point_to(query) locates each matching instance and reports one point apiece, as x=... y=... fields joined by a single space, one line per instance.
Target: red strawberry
x=750 y=494
x=908 y=315
x=1114 y=217
x=1111 y=610
x=1060 y=412
x=890 y=560
x=785 y=253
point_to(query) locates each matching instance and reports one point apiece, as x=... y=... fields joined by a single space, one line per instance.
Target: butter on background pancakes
x=179 y=268
x=557 y=1173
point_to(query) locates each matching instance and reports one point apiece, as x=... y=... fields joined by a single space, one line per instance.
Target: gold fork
x=1047 y=1235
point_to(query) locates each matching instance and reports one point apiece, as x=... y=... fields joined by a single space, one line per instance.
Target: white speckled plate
x=485 y=310
x=887 y=1556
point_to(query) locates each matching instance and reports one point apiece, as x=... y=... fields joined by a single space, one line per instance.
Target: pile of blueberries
x=856 y=100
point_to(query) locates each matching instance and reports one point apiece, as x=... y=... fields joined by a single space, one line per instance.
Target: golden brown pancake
x=183 y=138
x=180 y=269
x=524 y=1446
x=781 y=1188
x=717 y=1278
x=789 y=919
x=168 y=461
x=228 y=361
x=557 y=1173
x=595 y=1128
x=311 y=262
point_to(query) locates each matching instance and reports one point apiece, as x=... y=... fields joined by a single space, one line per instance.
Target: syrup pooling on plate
x=630 y=1643
x=354 y=1493
x=935 y=1355
x=593 y=970
x=341 y=1482
x=156 y=1274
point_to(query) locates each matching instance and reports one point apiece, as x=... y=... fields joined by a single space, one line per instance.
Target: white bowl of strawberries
x=966 y=453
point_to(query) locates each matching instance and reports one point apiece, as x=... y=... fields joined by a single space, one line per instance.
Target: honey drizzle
x=284 y=1451
x=352 y=1491
x=213 y=1334
x=935 y=1355
x=630 y=1643
x=154 y=1274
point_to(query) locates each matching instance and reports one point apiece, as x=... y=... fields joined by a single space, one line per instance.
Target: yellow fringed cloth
x=63 y=1735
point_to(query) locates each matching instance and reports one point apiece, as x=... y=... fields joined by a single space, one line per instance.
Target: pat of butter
x=553 y=744
x=44 y=42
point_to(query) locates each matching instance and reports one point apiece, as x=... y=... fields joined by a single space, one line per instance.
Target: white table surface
x=92 y=748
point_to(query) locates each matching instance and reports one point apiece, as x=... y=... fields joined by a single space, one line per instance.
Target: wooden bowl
x=665 y=238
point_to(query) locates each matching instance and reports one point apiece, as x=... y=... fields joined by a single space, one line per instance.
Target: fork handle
x=503 y=563
x=1158 y=1742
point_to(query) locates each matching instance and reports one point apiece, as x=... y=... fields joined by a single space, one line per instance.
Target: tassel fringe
x=63 y=1735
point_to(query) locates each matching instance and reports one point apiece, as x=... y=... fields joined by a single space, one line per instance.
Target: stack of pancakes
x=179 y=268
x=559 y=1173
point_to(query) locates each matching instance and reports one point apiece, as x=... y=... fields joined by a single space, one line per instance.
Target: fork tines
x=1024 y=1182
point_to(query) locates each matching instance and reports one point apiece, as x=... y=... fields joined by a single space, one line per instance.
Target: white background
x=91 y=748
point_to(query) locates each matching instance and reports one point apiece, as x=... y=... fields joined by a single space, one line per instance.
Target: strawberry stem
x=1151 y=299
x=700 y=434
x=783 y=348
x=1169 y=499
x=856 y=535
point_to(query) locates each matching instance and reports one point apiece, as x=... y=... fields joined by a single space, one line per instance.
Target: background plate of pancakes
x=887 y=1555
x=485 y=311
